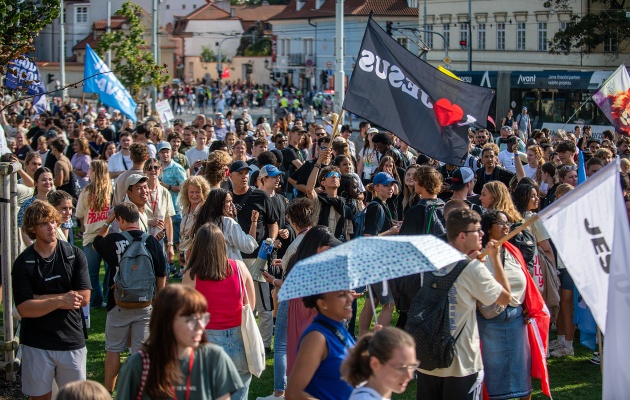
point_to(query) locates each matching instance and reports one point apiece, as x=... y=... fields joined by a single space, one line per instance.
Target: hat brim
x=385 y=183
x=241 y=168
x=457 y=186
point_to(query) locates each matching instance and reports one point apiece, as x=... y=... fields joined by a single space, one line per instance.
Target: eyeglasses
x=152 y=168
x=193 y=321
x=568 y=168
x=321 y=134
x=479 y=231
x=333 y=174
x=404 y=369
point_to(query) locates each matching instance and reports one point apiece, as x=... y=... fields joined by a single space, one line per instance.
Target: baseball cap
x=372 y=130
x=104 y=115
x=270 y=170
x=506 y=128
x=524 y=108
x=383 y=178
x=134 y=179
x=51 y=135
x=239 y=166
x=331 y=241
x=461 y=177
x=163 y=145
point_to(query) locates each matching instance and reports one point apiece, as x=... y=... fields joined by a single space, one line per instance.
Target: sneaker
x=595 y=360
x=596 y=354
x=554 y=344
x=562 y=352
x=270 y=397
x=178 y=275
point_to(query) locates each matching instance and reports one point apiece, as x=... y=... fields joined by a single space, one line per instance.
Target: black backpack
x=434 y=222
x=526 y=243
x=428 y=320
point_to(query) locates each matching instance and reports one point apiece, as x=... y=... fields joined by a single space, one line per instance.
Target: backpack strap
x=145 y=372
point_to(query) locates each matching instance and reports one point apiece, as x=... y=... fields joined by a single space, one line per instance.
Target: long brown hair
x=538 y=153
x=502 y=200
x=99 y=191
x=208 y=255
x=161 y=345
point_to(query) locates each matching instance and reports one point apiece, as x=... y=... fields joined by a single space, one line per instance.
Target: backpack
x=526 y=243
x=434 y=222
x=134 y=283
x=72 y=187
x=428 y=320
x=360 y=219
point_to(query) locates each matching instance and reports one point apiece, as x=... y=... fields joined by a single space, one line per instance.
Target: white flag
x=582 y=227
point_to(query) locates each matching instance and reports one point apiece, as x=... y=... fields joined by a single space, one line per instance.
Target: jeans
x=280 y=348
x=264 y=306
x=231 y=340
x=94 y=267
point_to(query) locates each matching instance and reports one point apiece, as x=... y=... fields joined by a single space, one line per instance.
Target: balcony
x=296 y=59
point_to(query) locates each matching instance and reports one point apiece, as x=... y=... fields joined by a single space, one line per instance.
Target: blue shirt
x=174 y=175
x=326 y=382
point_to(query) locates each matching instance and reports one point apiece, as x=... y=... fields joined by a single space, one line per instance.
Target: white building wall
x=208 y=33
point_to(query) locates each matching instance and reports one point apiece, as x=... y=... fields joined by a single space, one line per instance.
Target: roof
x=244 y=12
x=89 y=39
x=116 y=23
x=388 y=8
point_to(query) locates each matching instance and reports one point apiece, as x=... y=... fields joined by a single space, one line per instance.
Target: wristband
x=169 y=243
x=105 y=224
x=318 y=166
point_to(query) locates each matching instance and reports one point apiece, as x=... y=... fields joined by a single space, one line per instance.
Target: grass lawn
x=571 y=377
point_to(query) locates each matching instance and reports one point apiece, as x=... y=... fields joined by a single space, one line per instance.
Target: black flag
x=425 y=108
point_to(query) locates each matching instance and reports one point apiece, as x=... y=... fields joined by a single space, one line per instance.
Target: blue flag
x=581 y=167
x=26 y=70
x=106 y=85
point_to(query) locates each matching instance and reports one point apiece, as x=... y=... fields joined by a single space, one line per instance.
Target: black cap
x=239 y=166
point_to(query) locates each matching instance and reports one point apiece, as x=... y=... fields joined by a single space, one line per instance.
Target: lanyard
x=190 y=366
x=154 y=201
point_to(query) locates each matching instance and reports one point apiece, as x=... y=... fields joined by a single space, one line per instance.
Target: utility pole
x=469 y=35
x=154 y=28
x=108 y=56
x=339 y=55
x=62 y=55
x=426 y=34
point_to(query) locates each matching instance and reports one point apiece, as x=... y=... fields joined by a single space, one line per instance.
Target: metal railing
x=10 y=250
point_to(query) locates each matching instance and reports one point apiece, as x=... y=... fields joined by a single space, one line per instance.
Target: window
x=611 y=44
x=183 y=6
x=481 y=36
x=564 y=26
x=285 y=47
x=194 y=6
x=308 y=47
x=463 y=36
x=412 y=3
x=542 y=36
x=447 y=35
x=520 y=36
x=403 y=41
x=80 y=15
x=168 y=6
x=501 y=36
x=429 y=41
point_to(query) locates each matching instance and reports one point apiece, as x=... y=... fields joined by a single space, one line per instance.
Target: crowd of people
x=198 y=201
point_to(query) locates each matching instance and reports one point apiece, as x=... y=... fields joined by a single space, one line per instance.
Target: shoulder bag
x=252 y=340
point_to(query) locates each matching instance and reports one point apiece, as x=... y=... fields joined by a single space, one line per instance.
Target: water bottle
x=266 y=247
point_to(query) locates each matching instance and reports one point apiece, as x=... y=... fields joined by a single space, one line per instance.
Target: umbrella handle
x=372 y=302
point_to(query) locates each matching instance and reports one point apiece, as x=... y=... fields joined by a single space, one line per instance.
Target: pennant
x=226 y=73
x=581 y=167
x=425 y=108
x=613 y=98
x=26 y=70
x=111 y=92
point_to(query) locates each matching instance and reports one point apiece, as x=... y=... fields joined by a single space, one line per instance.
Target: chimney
x=232 y=12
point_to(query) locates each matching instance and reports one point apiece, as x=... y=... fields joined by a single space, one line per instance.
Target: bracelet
x=107 y=225
x=169 y=243
x=169 y=187
x=318 y=166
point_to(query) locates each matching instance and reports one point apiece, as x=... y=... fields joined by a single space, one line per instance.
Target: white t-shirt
x=119 y=162
x=366 y=393
x=195 y=155
x=92 y=220
x=515 y=276
x=506 y=158
x=474 y=283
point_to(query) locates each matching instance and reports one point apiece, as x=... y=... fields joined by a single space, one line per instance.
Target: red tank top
x=225 y=302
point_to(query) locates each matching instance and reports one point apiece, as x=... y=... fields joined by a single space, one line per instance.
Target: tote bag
x=252 y=340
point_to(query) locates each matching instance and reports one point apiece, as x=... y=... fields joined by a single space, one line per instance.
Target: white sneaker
x=554 y=344
x=271 y=397
x=562 y=352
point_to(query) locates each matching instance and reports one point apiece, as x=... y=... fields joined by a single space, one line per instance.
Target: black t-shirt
x=289 y=154
x=24 y=150
x=109 y=135
x=33 y=134
x=279 y=204
x=66 y=270
x=112 y=247
x=498 y=174
x=376 y=212
x=301 y=175
x=50 y=162
x=261 y=202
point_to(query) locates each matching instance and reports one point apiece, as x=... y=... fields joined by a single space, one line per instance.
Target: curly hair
x=99 y=190
x=39 y=210
x=502 y=200
x=429 y=178
x=300 y=213
x=213 y=168
x=197 y=181
x=521 y=196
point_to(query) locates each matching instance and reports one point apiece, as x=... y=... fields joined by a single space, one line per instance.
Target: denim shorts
x=566 y=282
x=231 y=340
x=506 y=354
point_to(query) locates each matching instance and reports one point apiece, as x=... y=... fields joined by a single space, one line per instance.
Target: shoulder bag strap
x=145 y=372
x=241 y=282
x=246 y=196
x=334 y=330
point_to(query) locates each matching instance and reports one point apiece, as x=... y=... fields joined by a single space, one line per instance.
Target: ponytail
x=356 y=367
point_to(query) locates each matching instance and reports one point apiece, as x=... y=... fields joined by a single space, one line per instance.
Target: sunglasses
x=152 y=168
x=568 y=168
x=333 y=174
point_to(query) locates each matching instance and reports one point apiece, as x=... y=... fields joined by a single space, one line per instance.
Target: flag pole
x=576 y=111
x=335 y=130
x=601 y=351
x=82 y=107
x=510 y=235
x=372 y=302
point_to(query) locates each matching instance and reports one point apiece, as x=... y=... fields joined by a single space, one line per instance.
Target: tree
x=134 y=67
x=207 y=55
x=22 y=20
x=605 y=25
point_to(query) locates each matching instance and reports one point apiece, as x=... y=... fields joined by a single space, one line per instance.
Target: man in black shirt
x=491 y=171
x=50 y=285
x=292 y=158
x=124 y=325
x=246 y=200
x=102 y=124
x=300 y=177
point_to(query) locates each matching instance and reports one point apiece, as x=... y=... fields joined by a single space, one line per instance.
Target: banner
x=164 y=111
x=26 y=70
x=613 y=98
x=425 y=108
x=111 y=92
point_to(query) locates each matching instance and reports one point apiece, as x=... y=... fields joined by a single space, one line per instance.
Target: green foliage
x=22 y=20
x=254 y=43
x=207 y=55
x=259 y=48
x=605 y=23
x=134 y=67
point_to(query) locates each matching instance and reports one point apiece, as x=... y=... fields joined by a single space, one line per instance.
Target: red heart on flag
x=447 y=113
